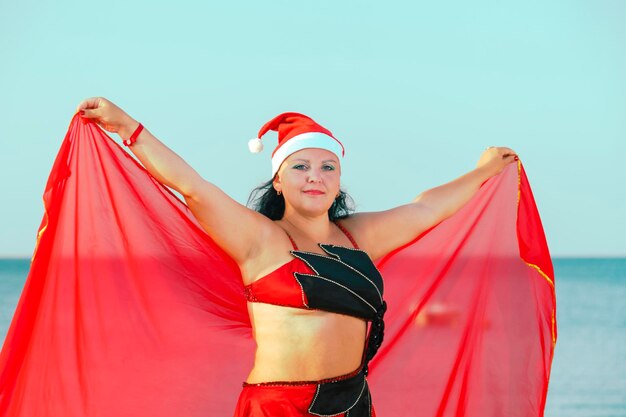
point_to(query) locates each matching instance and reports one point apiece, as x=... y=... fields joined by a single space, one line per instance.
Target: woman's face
x=309 y=181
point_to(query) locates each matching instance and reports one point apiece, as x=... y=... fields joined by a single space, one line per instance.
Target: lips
x=314 y=192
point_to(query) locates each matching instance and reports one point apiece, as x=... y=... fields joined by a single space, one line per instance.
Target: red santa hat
x=296 y=132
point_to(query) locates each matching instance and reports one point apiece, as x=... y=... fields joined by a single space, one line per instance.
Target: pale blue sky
x=415 y=91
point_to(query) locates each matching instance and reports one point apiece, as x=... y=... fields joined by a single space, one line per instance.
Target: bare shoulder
x=273 y=252
x=380 y=232
x=248 y=236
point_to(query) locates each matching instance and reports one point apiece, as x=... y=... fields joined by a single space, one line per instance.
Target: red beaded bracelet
x=133 y=138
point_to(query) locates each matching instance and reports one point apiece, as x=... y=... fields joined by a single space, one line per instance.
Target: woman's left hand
x=495 y=159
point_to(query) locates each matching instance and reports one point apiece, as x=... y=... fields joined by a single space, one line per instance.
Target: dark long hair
x=266 y=201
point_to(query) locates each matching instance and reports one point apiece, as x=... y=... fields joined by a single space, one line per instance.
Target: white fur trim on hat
x=304 y=141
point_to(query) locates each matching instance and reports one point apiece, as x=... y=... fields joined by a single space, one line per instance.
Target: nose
x=314 y=175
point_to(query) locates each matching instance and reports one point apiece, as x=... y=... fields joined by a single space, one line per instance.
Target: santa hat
x=296 y=132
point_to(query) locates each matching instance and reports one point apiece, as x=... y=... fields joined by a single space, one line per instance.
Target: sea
x=588 y=377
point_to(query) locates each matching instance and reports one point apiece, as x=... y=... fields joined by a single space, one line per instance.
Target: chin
x=314 y=210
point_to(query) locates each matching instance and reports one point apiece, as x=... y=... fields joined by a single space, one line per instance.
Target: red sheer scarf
x=130 y=309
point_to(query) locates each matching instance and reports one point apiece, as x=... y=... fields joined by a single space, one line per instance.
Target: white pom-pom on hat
x=255 y=145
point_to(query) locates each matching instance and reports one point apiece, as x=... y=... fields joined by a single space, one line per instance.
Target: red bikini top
x=280 y=287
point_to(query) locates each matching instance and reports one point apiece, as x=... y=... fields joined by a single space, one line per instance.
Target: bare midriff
x=295 y=344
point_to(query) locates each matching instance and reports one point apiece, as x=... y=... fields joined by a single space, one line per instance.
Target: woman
x=310 y=360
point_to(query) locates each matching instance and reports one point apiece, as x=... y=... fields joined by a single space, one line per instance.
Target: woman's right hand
x=108 y=116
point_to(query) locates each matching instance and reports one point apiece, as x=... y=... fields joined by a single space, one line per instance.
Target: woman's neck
x=315 y=229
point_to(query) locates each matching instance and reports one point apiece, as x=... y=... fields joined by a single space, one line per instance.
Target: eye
x=328 y=167
x=300 y=166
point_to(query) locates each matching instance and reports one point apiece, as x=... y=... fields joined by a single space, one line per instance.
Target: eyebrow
x=307 y=160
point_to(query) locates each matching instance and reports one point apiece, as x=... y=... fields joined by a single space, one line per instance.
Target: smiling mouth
x=314 y=192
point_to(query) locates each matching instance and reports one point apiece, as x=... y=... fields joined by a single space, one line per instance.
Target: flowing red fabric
x=130 y=309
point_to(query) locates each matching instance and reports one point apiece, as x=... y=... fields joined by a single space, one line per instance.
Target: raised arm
x=381 y=232
x=237 y=229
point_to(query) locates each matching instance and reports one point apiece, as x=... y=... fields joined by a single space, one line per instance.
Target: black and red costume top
x=344 y=281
